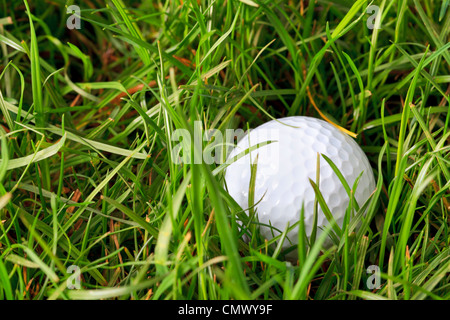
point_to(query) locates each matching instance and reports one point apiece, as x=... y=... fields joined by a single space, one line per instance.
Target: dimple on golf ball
x=284 y=167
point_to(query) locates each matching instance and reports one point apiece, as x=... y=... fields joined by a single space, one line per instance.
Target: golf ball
x=284 y=167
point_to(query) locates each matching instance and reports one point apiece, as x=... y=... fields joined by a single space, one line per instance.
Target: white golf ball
x=284 y=168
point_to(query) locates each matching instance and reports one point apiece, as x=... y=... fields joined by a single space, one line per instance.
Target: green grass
x=87 y=171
